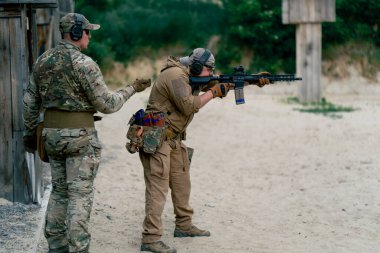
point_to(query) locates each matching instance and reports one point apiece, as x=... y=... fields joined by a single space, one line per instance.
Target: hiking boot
x=63 y=249
x=157 y=247
x=191 y=232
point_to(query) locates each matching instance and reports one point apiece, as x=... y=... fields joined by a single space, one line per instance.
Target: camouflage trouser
x=168 y=167
x=74 y=156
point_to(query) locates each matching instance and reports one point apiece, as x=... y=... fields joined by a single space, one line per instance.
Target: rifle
x=239 y=80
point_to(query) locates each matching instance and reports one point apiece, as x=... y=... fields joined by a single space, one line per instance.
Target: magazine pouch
x=153 y=137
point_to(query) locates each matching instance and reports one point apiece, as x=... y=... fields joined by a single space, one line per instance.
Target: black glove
x=30 y=143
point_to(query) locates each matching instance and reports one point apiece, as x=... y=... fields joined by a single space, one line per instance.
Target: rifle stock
x=239 y=79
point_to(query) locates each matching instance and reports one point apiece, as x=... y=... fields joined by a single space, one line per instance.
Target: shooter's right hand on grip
x=220 y=90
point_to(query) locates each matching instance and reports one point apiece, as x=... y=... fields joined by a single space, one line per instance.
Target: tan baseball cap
x=67 y=22
x=196 y=56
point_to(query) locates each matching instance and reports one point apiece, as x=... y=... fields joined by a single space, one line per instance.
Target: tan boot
x=193 y=231
x=157 y=247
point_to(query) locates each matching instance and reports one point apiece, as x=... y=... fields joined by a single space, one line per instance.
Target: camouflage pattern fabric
x=66 y=79
x=74 y=159
x=67 y=22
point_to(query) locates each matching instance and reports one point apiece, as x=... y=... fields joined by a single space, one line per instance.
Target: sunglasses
x=210 y=69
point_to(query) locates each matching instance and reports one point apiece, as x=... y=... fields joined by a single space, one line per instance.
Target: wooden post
x=309 y=58
x=6 y=166
x=308 y=15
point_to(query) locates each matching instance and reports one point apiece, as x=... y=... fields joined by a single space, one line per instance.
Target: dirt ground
x=266 y=178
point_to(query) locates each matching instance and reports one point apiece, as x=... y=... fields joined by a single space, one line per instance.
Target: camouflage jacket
x=66 y=79
x=172 y=95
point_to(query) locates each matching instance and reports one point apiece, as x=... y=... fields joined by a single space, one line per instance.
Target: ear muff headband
x=76 y=31
x=197 y=66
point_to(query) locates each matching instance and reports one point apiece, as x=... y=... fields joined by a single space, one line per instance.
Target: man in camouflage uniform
x=169 y=166
x=69 y=86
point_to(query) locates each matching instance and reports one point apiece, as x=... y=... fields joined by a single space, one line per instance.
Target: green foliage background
x=134 y=27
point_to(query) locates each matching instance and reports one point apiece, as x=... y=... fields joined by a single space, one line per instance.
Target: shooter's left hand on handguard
x=263 y=81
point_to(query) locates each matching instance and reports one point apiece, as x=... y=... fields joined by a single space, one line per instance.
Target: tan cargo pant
x=168 y=167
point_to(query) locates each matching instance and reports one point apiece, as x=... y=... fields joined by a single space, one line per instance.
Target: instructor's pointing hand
x=141 y=84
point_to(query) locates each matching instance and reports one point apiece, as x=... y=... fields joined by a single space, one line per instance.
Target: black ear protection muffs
x=197 y=66
x=76 y=31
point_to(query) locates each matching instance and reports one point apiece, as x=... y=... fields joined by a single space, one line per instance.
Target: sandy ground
x=21 y=225
x=266 y=178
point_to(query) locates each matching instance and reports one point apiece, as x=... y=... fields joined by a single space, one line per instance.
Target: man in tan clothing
x=169 y=166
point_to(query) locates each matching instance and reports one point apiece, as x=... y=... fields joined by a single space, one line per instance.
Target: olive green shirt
x=63 y=78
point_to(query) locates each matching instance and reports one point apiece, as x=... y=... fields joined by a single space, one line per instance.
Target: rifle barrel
x=248 y=78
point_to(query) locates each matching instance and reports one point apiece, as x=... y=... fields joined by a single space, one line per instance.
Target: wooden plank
x=21 y=183
x=308 y=11
x=54 y=26
x=15 y=4
x=330 y=13
x=309 y=58
x=5 y=2
x=314 y=14
x=38 y=2
x=16 y=182
x=41 y=2
x=6 y=144
x=9 y=13
x=66 y=6
x=285 y=12
x=32 y=38
x=19 y=70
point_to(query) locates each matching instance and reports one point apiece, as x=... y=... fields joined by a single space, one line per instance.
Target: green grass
x=322 y=107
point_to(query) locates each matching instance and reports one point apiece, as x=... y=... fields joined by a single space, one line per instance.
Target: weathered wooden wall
x=48 y=23
x=14 y=74
x=22 y=39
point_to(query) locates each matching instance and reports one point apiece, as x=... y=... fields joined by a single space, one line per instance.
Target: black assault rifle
x=239 y=79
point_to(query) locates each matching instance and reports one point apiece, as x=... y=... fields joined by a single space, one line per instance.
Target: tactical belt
x=67 y=119
x=171 y=134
